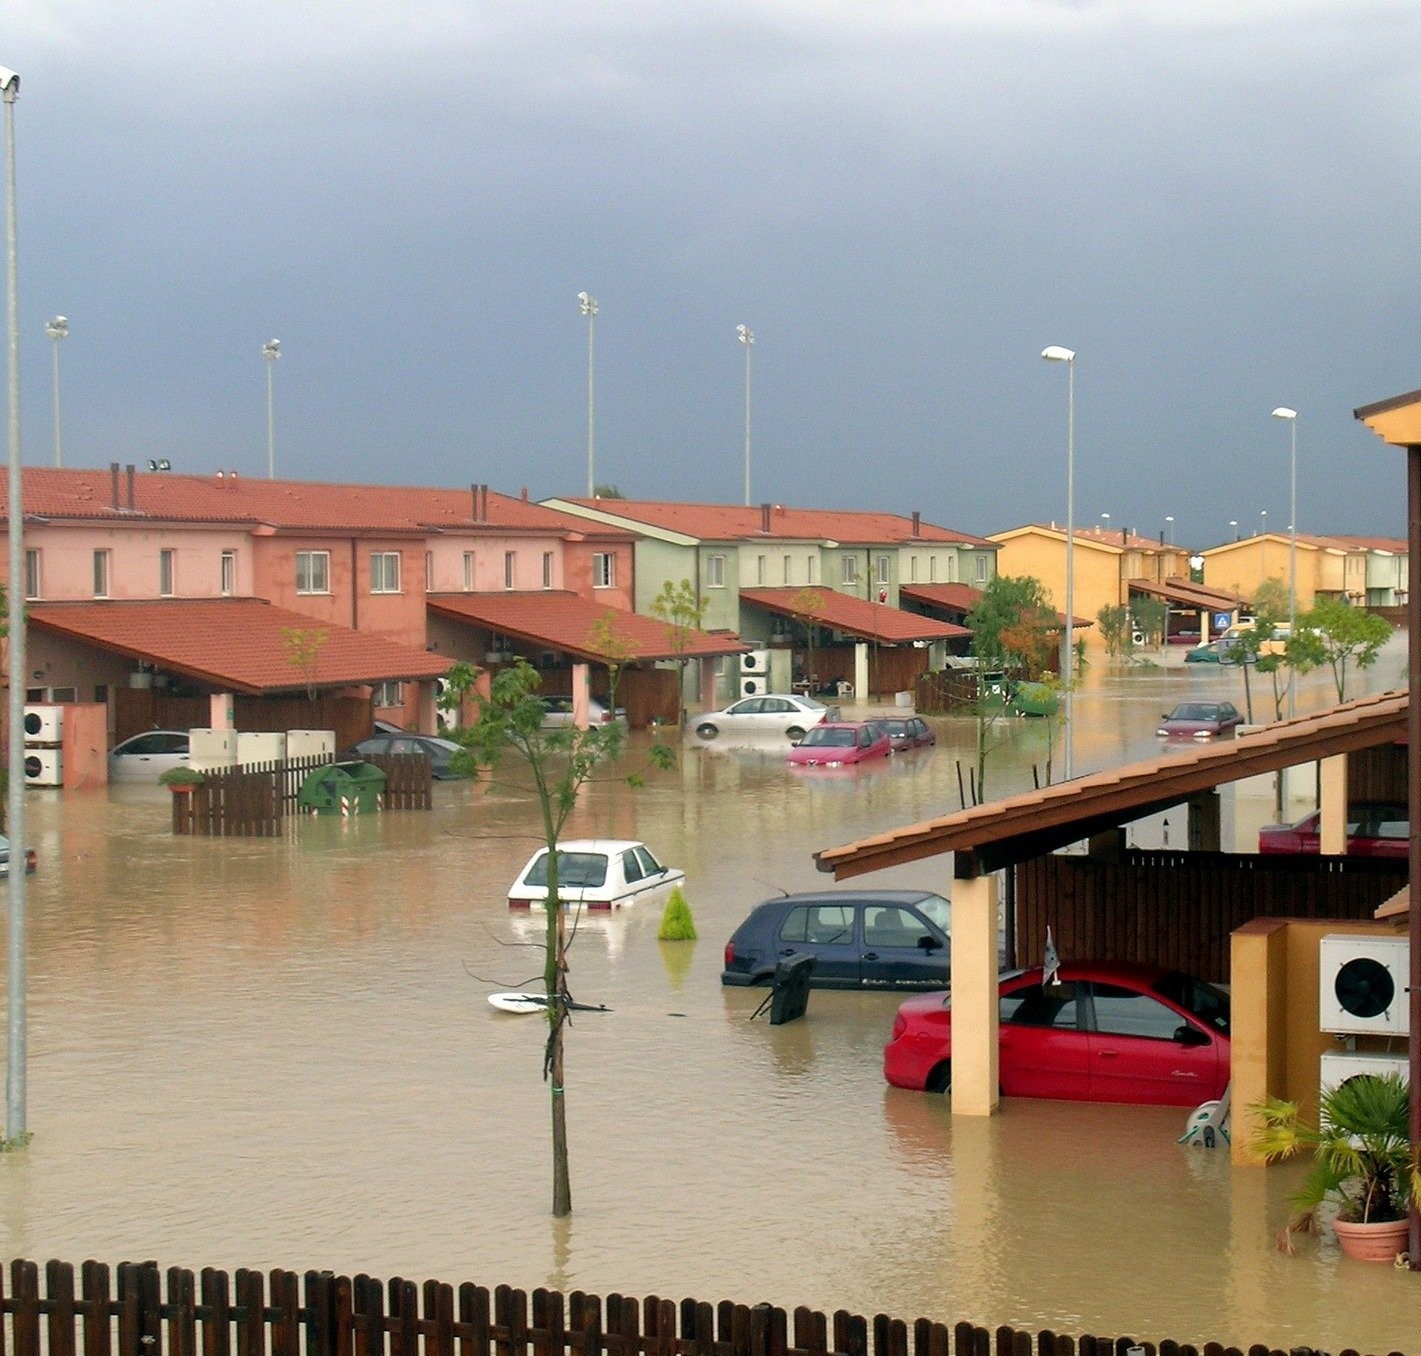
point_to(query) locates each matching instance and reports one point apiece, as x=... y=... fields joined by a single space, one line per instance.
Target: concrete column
x=975 y=907
x=1333 y=803
x=581 y=715
x=709 y=699
x=223 y=706
x=426 y=714
x=861 y=672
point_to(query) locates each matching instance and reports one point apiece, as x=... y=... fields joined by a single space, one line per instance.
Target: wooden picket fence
x=255 y=800
x=321 y=1314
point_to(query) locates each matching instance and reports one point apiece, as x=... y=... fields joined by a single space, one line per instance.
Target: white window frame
x=932 y=569
x=849 y=570
x=548 y=569
x=384 y=572
x=604 y=570
x=883 y=566
x=761 y=565
x=789 y=560
x=981 y=569
x=715 y=572
x=912 y=569
x=167 y=570
x=313 y=572
x=468 y=571
x=34 y=579
x=812 y=571
x=387 y=690
x=103 y=559
x=429 y=571
x=510 y=568
x=227 y=574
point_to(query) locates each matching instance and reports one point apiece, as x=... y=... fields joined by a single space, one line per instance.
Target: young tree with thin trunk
x=683 y=610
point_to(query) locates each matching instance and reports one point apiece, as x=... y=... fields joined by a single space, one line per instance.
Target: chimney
x=113 y=485
x=474 y=497
x=523 y=494
x=483 y=495
x=764 y=517
x=917 y=523
x=128 y=474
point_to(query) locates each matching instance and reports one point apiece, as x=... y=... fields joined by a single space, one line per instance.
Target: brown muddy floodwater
x=278 y=1053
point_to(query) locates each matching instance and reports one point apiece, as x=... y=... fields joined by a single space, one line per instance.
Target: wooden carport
x=987 y=838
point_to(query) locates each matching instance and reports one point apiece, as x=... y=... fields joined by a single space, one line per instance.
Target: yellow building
x=1107 y=563
x=1365 y=571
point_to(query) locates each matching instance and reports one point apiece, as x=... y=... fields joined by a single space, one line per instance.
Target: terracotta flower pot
x=1372 y=1242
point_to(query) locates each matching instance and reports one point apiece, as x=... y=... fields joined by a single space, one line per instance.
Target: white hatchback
x=595 y=873
x=776 y=713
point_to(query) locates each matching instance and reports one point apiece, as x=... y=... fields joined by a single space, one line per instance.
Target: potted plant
x=1363 y=1163
x=181 y=780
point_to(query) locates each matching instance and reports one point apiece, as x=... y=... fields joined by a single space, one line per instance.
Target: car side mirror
x=929 y=943
x=1187 y=1035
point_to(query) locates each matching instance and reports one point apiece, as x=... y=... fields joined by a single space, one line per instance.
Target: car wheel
x=795 y=733
x=940 y=1080
x=707 y=730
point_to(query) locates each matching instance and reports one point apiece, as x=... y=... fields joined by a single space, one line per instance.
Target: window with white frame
x=32 y=575
x=848 y=570
x=811 y=575
x=429 y=571
x=468 y=571
x=227 y=574
x=101 y=574
x=951 y=568
x=384 y=572
x=788 y=561
x=389 y=694
x=932 y=569
x=313 y=571
x=510 y=568
x=912 y=569
x=883 y=569
x=604 y=570
x=165 y=572
x=547 y=569
x=981 y=569
x=715 y=572
x=760 y=564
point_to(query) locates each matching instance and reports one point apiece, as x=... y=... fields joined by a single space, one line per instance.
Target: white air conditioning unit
x=754 y=686
x=44 y=725
x=1339 y=1066
x=44 y=767
x=310 y=743
x=1362 y=985
x=444 y=717
x=756 y=661
x=260 y=746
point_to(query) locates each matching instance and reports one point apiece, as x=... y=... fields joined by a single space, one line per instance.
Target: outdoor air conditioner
x=44 y=767
x=310 y=743
x=44 y=724
x=1338 y=1066
x=755 y=661
x=1362 y=985
x=755 y=686
x=209 y=749
x=260 y=746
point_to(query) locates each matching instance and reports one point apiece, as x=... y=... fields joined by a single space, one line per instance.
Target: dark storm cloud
x=905 y=202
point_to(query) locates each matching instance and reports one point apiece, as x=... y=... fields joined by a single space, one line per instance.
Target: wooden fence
x=321 y=1314
x=254 y=801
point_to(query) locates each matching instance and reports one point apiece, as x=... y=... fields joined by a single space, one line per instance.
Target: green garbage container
x=342 y=789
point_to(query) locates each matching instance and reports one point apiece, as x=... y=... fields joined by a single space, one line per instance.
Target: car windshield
x=829 y=737
x=576 y=870
x=896 y=728
x=1194 y=711
x=1209 y=1004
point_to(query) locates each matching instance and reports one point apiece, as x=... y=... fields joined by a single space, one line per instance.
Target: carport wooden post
x=581 y=713
x=222 y=708
x=975 y=910
x=861 y=672
x=1332 y=827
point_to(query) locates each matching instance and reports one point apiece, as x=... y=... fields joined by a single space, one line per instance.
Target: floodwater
x=278 y=1053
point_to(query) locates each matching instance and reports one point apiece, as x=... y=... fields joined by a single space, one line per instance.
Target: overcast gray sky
x=1215 y=202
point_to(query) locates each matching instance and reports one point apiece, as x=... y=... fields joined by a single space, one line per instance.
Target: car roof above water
x=851 y=897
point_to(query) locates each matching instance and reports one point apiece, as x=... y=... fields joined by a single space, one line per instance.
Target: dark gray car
x=860 y=939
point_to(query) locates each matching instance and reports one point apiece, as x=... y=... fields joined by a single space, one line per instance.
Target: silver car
x=145 y=757
x=776 y=713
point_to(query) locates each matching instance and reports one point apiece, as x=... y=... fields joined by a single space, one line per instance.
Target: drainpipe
x=354 y=588
x=113 y=485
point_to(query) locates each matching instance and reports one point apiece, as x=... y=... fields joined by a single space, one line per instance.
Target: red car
x=840 y=743
x=1200 y=720
x=1106 y=1032
x=1372 y=831
x=909 y=732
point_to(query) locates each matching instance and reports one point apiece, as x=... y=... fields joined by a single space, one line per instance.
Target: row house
x=1363 y=571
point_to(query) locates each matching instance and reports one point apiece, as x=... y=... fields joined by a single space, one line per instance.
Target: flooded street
x=279 y=1053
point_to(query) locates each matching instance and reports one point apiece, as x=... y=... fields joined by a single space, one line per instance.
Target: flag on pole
x=1051 y=962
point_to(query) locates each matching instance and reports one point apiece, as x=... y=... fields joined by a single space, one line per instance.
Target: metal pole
x=16 y=1043
x=1068 y=663
x=271 y=351
x=589 y=309
x=57 y=329
x=1293 y=561
x=748 y=339
x=1413 y=784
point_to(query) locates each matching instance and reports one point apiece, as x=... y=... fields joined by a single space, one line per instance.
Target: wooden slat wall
x=1178 y=908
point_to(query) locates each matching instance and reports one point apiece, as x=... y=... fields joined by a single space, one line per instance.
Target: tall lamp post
x=588 y=306
x=271 y=351
x=1168 y=530
x=1056 y=354
x=747 y=339
x=1283 y=412
x=58 y=330
x=16 y=1042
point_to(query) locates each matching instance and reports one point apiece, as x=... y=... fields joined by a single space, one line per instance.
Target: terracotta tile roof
x=286 y=504
x=1190 y=594
x=734 y=522
x=1395 y=546
x=1092 y=536
x=854 y=616
x=234 y=644
x=569 y=622
x=1037 y=822
x=956 y=597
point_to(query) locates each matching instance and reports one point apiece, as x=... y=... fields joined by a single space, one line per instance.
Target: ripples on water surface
x=278 y=1054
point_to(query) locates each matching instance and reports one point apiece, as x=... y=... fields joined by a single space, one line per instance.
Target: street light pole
x=748 y=340
x=588 y=305
x=271 y=351
x=1168 y=530
x=57 y=329
x=1283 y=412
x=1056 y=354
x=16 y=1038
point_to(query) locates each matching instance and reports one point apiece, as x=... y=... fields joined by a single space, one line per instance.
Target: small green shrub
x=182 y=776
x=676 y=922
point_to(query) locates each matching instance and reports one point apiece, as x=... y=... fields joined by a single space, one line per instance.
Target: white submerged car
x=593 y=873
x=776 y=713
